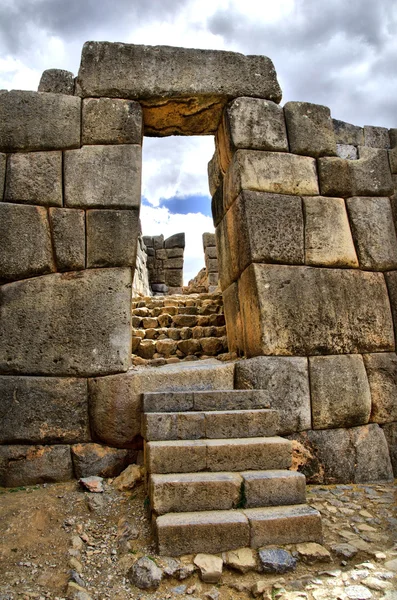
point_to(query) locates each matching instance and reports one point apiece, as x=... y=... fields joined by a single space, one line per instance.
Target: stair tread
x=203 y=476
x=222 y=442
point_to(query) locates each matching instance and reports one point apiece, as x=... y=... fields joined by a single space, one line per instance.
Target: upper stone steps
x=205 y=400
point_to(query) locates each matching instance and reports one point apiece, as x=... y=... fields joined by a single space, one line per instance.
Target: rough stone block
x=347 y=151
x=309 y=311
x=190 y=103
x=25 y=242
x=174 y=252
x=68 y=237
x=285 y=384
x=368 y=176
x=86 y=315
x=103 y=176
x=346 y=133
x=43 y=410
x=111 y=121
x=374 y=233
x=175 y=241
x=248 y=453
x=28 y=465
x=253 y=124
x=158 y=241
x=382 y=376
x=215 y=175
x=57 y=81
x=211 y=252
x=185 y=456
x=234 y=326
x=274 y=172
x=173 y=426
x=340 y=391
x=3 y=162
x=372 y=454
x=241 y=423
x=37 y=121
x=112 y=237
x=174 y=263
x=173 y=277
x=212 y=265
x=167 y=402
x=100 y=461
x=210 y=531
x=34 y=178
x=310 y=129
x=230 y=400
x=328 y=239
x=390 y=431
x=393 y=160
x=376 y=137
x=273 y=488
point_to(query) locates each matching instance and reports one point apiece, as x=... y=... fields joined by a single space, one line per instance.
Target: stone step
x=219 y=531
x=208 y=400
x=189 y=492
x=212 y=424
x=180 y=333
x=189 y=456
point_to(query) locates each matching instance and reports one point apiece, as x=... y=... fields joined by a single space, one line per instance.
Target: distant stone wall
x=165 y=262
x=211 y=260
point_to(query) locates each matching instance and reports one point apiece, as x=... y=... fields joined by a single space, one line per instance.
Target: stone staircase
x=217 y=475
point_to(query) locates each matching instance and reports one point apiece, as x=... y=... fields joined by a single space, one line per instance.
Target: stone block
x=248 y=454
x=68 y=237
x=212 y=265
x=229 y=400
x=182 y=456
x=310 y=129
x=309 y=311
x=167 y=402
x=3 y=162
x=29 y=465
x=210 y=531
x=274 y=172
x=328 y=239
x=340 y=391
x=111 y=121
x=174 y=252
x=253 y=124
x=346 y=133
x=99 y=461
x=103 y=176
x=273 y=488
x=376 y=137
x=368 y=176
x=112 y=237
x=57 y=81
x=215 y=175
x=391 y=280
x=372 y=225
x=393 y=160
x=158 y=241
x=390 y=431
x=211 y=252
x=234 y=326
x=37 y=121
x=161 y=254
x=173 y=426
x=228 y=267
x=175 y=241
x=382 y=376
x=187 y=492
x=372 y=459
x=34 y=178
x=189 y=104
x=241 y=423
x=25 y=242
x=174 y=263
x=86 y=315
x=285 y=384
x=347 y=151
x=173 y=277
x=43 y=410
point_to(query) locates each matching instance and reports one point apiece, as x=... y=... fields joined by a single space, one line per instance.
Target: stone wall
x=165 y=262
x=211 y=260
x=140 y=282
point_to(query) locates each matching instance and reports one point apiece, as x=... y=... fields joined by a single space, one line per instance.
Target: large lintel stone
x=310 y=130
x=34 y=178
x=67 y=324
x=310 y=311
x=182 y=90
x=38 y=121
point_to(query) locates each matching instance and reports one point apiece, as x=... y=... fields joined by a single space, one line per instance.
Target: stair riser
x=206 y=401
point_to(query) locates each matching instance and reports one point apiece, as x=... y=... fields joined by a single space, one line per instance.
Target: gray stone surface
x=390 y=431
x=3 y=162
x=372 y=460
x=145 y=574
x=328 y=239
x=346 y=133
x=310 y=130
x=276 y=560
x=98 y=460
x=175 y=241
x=376 y=137
x=340 y=392
x=382 y=376
x=85 y=314
x=34 y=178
x=371 y=221
x=43 y=410
x=304 y=310
x=347 y=151
x=112 y=237
x=38 y=121
x=68 y=238
x=182 y=90
x=103 y=176
x=25 y=242
x=57 y=81
x=273 y=488
x=111 y=121
x=285 y=381
x=28 y=465
x=173 y=277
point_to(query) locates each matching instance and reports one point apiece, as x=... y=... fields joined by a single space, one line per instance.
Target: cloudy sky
x=341 y=53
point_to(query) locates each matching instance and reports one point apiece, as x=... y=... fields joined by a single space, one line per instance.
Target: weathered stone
x=228 y=269
x=218 y=207
x=393 y=160
x=273 y=488
x=93 y=484
x=276 y=560
x=225 y=400
x=390 y=431
x=3 y=163
x=34 y=178
x=189 y=346
x=310 y=129
x=241 y=423
x=146 y=349
x=158 y=241
x=95 y=459
x=111 y=121
x=25 y=242
x=233 y=319
x=283 y=525
x=188 y=104
x=373 y=231
x=145 y=574
x=274 y=172
x=382 y=376
x=57 y=81
x=103 y=176
x=346 y=178
x=174 y=426
x=347 y=151
x=346 y=133
x=129 y=478
x=340 y=391
x=210 y=567
x=241 y=560
x=215 y=175
x=173 y=277
x=28 y=465
x=37 y=121
x=248 y=454
x=211 y=346
x=328 y=239
x=253 y=124
x=305 y=310
x=184 y=456
x=166 y=347
x=175 y=241
x=173 y=263
x=174 y=252
x=112 y=237
x=43 y=410
x=372 y=454
x=344 y=550
x=85 y=314
x=184 y=320
x=312 y=552
x=286 y=381
x=376 y=137
x=68 y=236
